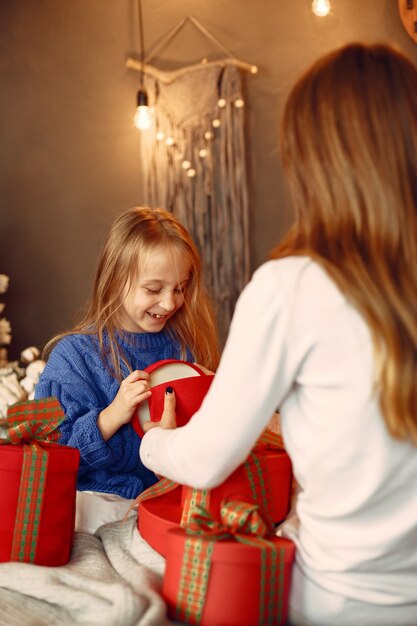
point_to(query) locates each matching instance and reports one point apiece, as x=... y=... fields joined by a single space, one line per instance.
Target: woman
x=327 y=331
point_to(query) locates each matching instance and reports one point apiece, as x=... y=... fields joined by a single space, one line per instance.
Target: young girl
x=327 y=331
x=148 y=303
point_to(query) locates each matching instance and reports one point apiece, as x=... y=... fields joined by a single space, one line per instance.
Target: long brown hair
x=349 y=149
x=131 y=237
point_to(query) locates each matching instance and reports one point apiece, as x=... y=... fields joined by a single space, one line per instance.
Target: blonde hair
x=131 y=237
x=349 y=149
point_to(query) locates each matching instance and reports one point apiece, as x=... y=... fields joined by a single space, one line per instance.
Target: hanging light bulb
x=143 y=118
x=321 y=8
x=143 y=113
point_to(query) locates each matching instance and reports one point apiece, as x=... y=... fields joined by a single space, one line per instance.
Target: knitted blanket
x=112 y=579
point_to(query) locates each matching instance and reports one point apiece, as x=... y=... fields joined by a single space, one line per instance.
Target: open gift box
x=157 y=515
x=38 y=486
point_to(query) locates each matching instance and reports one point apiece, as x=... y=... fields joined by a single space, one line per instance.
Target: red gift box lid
x=190 y=385
x=230 y=550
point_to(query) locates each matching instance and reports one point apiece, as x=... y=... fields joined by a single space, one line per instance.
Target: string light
x=215 y=123
x=239 y=103
x=321 y=8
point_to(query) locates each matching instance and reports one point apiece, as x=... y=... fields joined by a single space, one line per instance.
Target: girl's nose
x=168 y=302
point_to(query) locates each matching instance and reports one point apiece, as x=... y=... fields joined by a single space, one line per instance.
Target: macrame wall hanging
x=193 y=161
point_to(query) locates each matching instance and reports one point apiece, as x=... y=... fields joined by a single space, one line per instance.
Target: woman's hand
x=133 y=390
x=168 y=418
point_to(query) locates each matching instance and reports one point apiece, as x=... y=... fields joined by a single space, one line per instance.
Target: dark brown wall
x=69 y=154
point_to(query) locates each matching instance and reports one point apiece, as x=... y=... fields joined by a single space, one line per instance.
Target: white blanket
x=113 y=579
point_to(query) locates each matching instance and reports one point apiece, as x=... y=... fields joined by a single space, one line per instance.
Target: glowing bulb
x=191 y=173
x=202 y=153
x=208 y=135
x=215 y=123
x=321 y=8
x=186 y=165
x=169 y=141
x=143 y=113
x=239 y=103
x=160 y=135
x=221 y=103
x=253 y=69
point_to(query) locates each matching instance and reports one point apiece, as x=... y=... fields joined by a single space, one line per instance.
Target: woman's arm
x=253 y=377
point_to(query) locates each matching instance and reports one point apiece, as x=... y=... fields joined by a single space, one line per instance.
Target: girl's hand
x=168 y=418
x=133 y=390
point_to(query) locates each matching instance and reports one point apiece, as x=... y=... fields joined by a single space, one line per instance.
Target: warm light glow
x=169 y=141
x=208 y=135
x=321 y=8
x=160 y=135
x=143 y=118
x=186 y=165
x=215 y=123
x=239 y=103
x=221 y=102
x=191 y=173
x=202 y=153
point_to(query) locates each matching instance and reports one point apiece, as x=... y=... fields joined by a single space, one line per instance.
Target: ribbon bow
x=37 y=420
x=242 y=522
x=239 y=520
x=31 y=424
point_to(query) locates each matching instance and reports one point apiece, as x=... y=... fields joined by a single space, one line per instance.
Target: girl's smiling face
x=157 y=293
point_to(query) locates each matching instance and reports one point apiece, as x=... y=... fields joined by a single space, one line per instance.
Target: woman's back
x=357 y=533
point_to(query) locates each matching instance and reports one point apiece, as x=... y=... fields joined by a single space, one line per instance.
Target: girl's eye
x=154 y=291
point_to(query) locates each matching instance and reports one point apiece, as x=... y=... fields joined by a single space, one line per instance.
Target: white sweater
x=295 y=343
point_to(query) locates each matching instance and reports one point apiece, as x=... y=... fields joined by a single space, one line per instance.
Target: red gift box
x=189 y=383
x=265 y=478
x=38 y=488
x=211 y=580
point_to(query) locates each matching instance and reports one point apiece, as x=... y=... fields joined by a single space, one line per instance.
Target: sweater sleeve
x=75 y=388
x=252 y=379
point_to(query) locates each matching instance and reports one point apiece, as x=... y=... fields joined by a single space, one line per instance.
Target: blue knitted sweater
x=76 y=376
